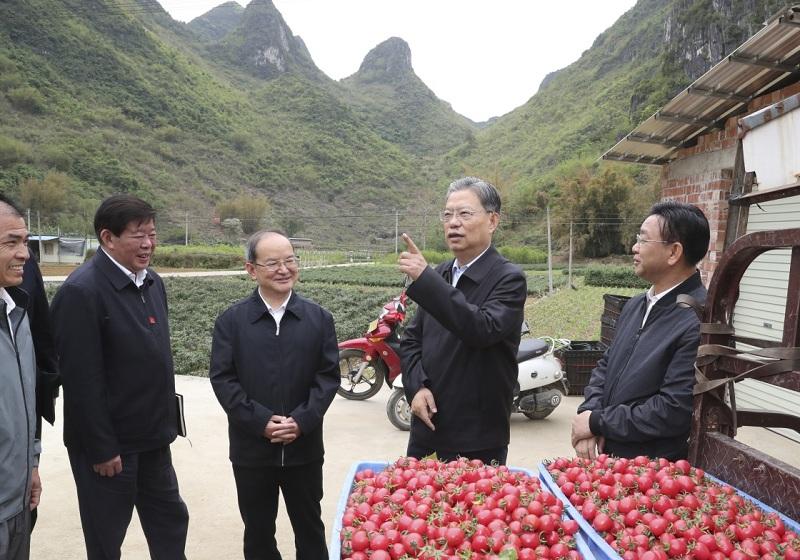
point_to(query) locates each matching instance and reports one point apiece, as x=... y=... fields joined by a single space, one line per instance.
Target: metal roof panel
x=761 y=62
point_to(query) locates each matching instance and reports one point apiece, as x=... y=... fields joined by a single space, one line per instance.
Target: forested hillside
x=229 y=117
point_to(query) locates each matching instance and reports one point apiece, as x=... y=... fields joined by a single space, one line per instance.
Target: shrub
x=212 y=261
x=48 y=195
x=56 y=157
x=523 y=255
x=168 y=133
x=613 y=276
x=27 y=98
x=10 y=81
x=13 y=151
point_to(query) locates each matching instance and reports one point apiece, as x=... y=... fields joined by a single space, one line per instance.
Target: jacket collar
x=19 y=295
x=256 y=308
x=686 y=287
x=478 y=270
x=114 y=274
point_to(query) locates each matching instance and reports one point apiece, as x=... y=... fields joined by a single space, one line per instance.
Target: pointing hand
x=411 y=261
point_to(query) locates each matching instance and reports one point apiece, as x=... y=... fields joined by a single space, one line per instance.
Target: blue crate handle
x=597 y=545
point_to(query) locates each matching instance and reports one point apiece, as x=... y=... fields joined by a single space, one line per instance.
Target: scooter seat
x=531 y=348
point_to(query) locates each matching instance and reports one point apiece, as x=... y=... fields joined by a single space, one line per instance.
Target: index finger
x=412 y=247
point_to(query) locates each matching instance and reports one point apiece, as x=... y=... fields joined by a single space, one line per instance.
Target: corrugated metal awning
x=767 y=59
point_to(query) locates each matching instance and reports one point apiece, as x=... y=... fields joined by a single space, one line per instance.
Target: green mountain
x=649 y=55
x=400 y=107
x=218 y=22
x=115 y=96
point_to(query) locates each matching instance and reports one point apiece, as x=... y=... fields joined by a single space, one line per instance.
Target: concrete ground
x=354 y=432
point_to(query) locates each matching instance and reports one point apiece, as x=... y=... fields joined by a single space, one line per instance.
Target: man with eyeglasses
x=459 y=352
x=275 y=371
x=639 y=397
x=112 y=336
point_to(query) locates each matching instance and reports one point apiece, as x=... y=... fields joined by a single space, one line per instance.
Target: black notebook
x=180 y=418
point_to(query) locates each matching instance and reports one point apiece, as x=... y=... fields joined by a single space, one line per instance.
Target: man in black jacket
x=112 y=337
x=275 y=371
x=459 y=352
x=639 y=397
x=47 y=378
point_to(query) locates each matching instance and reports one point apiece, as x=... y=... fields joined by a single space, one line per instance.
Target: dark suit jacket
x=47 y=378
x=257 y=373
x=462 y=344
x=640 y=393
x=115 y=361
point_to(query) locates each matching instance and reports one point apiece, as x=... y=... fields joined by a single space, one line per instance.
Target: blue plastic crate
x=335 y=546
x=597 y=544
x=598 y=547
x=790 y=523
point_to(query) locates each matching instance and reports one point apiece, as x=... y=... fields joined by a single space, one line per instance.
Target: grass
x=573 y=314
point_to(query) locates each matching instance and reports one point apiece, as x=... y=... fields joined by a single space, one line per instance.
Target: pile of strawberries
x=656 y=509
x=457 y=510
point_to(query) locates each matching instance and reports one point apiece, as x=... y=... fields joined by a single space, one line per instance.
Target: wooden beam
x=758 y=197
x=757 y=61
x=727 y=95
x=684 y=119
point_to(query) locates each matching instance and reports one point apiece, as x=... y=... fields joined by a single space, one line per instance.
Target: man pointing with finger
x=459 y=352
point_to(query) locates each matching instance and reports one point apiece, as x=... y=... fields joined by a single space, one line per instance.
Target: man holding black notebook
x=112 y=336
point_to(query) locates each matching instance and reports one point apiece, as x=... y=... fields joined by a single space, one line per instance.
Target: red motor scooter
x=365 y=362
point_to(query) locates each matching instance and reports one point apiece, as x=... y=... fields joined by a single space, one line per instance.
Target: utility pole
x=186 y=234
x=396 y=231
x=424 y=229
x=549 y=255
x=569 y=278
x=39 y=230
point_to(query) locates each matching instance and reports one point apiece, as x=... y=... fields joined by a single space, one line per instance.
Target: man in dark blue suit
x=112 y=336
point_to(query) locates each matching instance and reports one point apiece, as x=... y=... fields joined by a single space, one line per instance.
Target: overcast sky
x=484 y=57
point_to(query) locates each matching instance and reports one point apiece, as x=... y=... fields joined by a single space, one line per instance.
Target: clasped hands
x=281 y=429
x=586 y=444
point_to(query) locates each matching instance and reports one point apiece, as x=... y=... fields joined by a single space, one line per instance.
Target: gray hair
x=484 y=190
x=255 y=239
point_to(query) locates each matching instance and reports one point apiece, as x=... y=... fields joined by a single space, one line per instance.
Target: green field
x=355 y=296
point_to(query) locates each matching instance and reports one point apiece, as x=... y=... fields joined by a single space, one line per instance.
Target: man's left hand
x=580 y=427
x=36 y=488
x=286 y=432
x=411 y=261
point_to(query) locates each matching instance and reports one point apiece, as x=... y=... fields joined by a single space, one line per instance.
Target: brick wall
x=709 y=188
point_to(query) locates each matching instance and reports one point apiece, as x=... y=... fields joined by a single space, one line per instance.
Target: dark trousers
x=148 y=482
x=301 y=486
x=15 y=536
x=496 y=454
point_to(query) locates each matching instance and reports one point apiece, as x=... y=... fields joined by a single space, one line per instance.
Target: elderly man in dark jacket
x=459 y=352
x=275 y=371
x=639 y=397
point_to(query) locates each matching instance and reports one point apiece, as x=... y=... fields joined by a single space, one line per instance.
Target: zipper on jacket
x=28 y=478
x=283 y=396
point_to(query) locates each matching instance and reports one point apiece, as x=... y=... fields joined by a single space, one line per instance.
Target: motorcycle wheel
x=398 y=410
x=350 y=360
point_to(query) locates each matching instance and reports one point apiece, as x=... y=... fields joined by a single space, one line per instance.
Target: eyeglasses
x=273 y=265
x=463 y=214
x=641 y=240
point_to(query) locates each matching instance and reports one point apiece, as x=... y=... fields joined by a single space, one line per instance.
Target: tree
x=48 y=196
x=249 y=209
x=605 y=207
